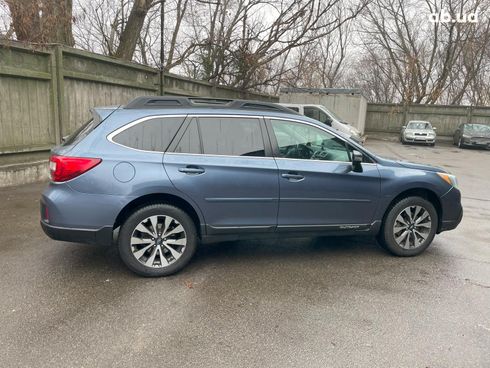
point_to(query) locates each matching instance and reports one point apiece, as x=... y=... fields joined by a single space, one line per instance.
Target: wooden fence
x=389 y=118
x=47 y=93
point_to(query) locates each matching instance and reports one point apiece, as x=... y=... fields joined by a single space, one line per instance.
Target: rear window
x=154 y=134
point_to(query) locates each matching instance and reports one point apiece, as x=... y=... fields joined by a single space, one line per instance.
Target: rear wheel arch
x=160 y=198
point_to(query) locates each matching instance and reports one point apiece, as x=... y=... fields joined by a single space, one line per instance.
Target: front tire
x=157 y=240
x=460 y=143
x=409 y=227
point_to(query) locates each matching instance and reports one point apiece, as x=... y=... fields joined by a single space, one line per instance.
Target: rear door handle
x=192 y=170
x=293 y=176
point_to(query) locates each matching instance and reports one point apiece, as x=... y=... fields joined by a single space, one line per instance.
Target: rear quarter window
x=81 y=132
x=154 y=134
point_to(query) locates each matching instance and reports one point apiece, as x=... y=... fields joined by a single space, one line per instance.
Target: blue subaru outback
x=166 y=173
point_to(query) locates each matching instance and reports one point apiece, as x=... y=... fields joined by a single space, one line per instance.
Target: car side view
x=163 y=174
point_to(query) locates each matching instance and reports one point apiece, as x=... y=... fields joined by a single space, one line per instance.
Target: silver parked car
x=418 y=131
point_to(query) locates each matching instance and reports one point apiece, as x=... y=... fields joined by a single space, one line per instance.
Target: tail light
x=64 y=168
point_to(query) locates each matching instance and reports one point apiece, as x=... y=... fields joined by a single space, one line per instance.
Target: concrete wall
x=349 y=104
x=47 y=93
x=391 y=117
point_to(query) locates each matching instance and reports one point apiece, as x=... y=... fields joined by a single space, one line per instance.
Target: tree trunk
x=25 y=19
x=131 y=33
x=59 y=21
x=48 y=21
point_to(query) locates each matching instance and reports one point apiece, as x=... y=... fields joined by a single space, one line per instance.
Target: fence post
x=54 y=96
x=60 y=90
x=406 y=108
x=469 y=115
x=161 y=87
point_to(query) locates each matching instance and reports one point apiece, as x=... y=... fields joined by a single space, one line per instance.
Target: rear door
x=224 y=164
x=318 y=188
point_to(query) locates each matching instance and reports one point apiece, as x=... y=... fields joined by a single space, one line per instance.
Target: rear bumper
x=102 y=236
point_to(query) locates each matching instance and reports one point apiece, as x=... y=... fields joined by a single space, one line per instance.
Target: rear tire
x=157 y=240
x=409 y=227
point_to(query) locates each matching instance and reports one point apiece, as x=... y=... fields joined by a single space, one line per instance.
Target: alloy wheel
x=412 y=227
x=158 y=241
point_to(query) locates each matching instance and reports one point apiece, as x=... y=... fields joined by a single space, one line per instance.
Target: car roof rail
x=159 y=102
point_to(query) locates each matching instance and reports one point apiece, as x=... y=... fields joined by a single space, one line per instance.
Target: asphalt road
x=331 y=302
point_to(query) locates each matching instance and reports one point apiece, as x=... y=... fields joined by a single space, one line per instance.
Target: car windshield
x=477 y=128
x=336 y=117
x=418 y=125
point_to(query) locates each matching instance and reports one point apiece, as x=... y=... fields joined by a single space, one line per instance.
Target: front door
x=223 y=164
x=317 y=185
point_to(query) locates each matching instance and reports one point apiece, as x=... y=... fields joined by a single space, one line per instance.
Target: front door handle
x=293 y=176
x=192 y=170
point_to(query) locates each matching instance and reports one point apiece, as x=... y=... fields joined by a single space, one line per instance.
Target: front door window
x=302 y=141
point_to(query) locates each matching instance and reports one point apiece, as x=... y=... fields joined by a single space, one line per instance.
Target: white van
x=322 y=114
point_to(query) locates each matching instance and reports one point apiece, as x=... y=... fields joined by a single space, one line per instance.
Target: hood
x=412 y=165
x=477 y=134
x=409 y=165
x=353 y=130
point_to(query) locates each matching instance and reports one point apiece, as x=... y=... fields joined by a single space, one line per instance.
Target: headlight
x=448 y=178
x=466 y=136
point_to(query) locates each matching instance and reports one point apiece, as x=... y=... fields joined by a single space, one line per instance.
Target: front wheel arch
x=416 y=192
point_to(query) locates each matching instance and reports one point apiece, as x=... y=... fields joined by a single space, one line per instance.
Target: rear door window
x=189 y=142
x=154 y=134
x=232 y=136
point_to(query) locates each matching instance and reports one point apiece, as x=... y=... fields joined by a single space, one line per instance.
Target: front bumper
x=480 y=143
x=425 y=140
x=452 y=210
x=102 y=236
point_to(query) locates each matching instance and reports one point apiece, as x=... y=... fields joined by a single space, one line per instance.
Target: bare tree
x=423 y=61
x=132 y=29
x=322 y=63
x=99 y=24
x=242 y=45
x=42 y=21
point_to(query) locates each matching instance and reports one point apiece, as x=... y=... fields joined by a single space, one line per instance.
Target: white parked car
x=322 y=114
x=418 y=131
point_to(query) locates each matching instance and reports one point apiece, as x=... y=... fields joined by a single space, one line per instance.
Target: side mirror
x=434 y=128
x=404 y=126
x=357 y=161
x=328 y=121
